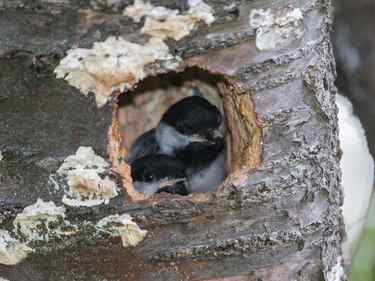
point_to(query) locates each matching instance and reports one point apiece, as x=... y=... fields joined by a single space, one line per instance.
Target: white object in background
x=357 y=166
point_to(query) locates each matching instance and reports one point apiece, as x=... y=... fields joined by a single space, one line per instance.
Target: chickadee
x=158 y=173
x=204 y=163
x=144 y=145
x=192 y=119
x=193 y=131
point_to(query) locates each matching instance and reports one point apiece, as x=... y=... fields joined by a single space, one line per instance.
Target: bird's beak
x=209 y=137
x=216 y=134
x=213 y=136
x=199 y=138
x=170 y=182
x=175 y=186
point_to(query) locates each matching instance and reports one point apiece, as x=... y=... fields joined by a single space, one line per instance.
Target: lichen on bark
x=278 y=221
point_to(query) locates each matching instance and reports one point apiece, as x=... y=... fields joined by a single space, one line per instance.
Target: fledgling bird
x=193 y=131
x=357 y=166
x=204 y=163
x=144 y=145
x=192 y=119
x=158 y=173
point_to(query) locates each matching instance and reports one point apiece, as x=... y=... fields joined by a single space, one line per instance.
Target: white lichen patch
x=12 y=251
x=138 y=10
x=86 y=187
x=42 y=221
x=167 y=23
x=85 y=157
x=200 y=11
x=122 y=226
x=114 y=64
x=3 y=279
x=276 y=28
x=1 y=156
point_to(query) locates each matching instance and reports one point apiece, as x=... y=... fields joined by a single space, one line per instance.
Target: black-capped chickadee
x=144 y=145
x=192 y=119
x=204 y=163
x=158 y=173
x=193 y=131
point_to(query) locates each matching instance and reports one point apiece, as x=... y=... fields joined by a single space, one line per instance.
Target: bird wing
x=144 y=145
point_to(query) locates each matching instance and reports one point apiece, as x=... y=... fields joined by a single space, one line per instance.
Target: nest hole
x=141 y=109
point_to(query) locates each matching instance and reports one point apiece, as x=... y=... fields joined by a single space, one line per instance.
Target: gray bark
x=280 y=221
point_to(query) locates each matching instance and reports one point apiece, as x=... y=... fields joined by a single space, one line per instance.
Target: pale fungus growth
x=12 y=251
x=164 y=26
x=138 y=10
x=201 y=11
x=165 y=23
x=112 y=65
x=42 y=221
x=86 y=187
x=276 y=28
x=122 y=226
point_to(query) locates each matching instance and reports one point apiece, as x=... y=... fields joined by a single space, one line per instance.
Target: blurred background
x=354 y=46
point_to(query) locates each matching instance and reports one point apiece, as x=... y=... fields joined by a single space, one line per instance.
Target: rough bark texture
x=279 y=222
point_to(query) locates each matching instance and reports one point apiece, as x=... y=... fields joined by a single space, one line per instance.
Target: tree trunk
x=277 y=215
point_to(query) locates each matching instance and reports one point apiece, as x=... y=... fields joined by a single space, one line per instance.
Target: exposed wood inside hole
x=140 y=110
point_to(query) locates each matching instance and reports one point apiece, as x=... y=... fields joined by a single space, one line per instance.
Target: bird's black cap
x=193 y=115
x=155 y=167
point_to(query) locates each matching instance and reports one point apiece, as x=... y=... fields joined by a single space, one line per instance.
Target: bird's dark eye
x=148 y=177
x=187 y=129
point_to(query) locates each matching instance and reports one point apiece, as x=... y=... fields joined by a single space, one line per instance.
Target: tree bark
x=275 y=220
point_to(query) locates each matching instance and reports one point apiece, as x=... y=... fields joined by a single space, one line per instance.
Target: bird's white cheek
x=144 y=187
x=170 y=139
